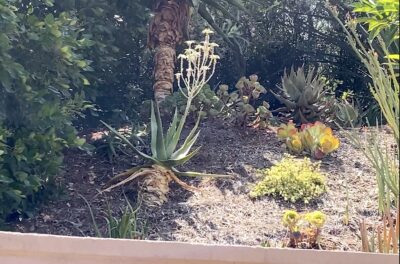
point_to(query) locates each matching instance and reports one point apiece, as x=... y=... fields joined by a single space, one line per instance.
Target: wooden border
x=18 y=248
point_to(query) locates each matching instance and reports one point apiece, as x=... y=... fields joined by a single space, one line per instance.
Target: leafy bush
x=240 y=105
x=206 y=103
x=317 y=139
x=41 y=83
x=293 y=180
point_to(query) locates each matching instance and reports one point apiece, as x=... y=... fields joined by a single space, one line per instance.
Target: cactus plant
x=302 y=94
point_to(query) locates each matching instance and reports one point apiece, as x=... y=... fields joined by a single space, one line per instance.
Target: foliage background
x=65 y=65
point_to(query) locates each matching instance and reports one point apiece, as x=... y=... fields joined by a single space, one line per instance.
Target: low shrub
x=237 y=107
x=293 y=180
x=240 y=105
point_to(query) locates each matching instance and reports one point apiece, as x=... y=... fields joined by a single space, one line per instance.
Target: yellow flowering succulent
x=285 y=131
x=316 y=219
x=328 y=143
x=317 y=139
x=295 y=144
x=290 y=219
x=303 y=227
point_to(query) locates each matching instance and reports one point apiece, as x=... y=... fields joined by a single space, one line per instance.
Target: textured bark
x=167 y=29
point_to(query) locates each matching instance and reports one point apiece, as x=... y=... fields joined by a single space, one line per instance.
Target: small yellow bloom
x=329 y=143
x=295 y=144
x=316 y=219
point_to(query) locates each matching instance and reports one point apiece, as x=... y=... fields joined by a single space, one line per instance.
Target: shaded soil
x=221 y=212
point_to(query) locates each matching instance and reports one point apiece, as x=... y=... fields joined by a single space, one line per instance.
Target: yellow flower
x=329 y=143
x=316 y=219
x=290 y=219
x=286 y=131
x=295 y=144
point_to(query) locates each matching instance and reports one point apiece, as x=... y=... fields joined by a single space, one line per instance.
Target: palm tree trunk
x=167 y=29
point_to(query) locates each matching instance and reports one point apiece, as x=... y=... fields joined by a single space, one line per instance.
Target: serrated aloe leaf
x=188 y=141
x=199 y=174
x=185 y=149
x=157 y=134
x=176 y=162
x=170 y=134
x=129 y=143
x=284 y=101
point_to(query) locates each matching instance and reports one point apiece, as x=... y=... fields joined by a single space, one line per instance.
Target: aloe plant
x=166 y=155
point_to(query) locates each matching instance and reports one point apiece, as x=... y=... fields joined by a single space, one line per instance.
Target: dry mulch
x=221 y=212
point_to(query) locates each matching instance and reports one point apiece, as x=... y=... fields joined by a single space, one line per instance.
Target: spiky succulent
x=302 y=94
x=347 y=114
x=166 y=154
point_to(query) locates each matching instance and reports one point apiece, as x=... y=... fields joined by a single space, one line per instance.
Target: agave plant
x=348 y=113
x=302 y=94
x=161 y=169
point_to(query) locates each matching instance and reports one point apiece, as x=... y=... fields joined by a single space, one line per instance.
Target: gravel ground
x=221 y=212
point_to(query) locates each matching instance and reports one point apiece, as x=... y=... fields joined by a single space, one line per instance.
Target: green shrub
x=206 y=103
x=293 y=180
x=240 y=105
x=41 y=92
x=381 y=62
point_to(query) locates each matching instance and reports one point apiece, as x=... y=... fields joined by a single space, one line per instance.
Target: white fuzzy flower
x=208 y=31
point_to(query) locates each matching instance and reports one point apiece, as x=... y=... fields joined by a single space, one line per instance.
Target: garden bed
x=221 y=212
